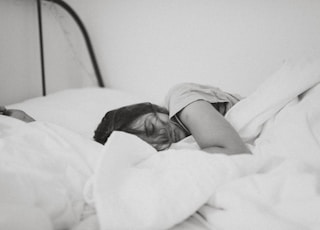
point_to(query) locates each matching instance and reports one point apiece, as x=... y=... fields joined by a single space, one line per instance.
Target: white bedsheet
x=277 y=187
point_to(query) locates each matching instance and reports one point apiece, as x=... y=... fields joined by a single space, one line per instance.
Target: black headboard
x=84 y=32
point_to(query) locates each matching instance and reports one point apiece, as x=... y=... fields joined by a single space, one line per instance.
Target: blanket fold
x=250 y=114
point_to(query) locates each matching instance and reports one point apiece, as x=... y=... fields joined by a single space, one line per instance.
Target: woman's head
x=148 y=121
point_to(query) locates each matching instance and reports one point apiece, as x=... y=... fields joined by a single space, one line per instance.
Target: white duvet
x=43 y=170
x=54 y=178
x=277 y=187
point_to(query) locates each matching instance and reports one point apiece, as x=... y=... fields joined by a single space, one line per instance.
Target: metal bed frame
x=84 y=32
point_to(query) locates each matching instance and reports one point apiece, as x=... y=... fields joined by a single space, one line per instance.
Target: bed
x=54 y=176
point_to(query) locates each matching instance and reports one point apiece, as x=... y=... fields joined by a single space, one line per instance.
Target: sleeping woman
x=191 y=109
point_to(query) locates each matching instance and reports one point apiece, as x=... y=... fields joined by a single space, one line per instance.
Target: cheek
x=149 y=140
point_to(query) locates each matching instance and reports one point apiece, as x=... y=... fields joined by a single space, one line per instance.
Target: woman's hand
x=211 y=130
x=15 y=113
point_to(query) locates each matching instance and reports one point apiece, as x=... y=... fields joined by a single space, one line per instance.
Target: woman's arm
x=211 y=130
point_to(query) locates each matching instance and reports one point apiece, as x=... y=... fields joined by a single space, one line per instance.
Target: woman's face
x=158 y=130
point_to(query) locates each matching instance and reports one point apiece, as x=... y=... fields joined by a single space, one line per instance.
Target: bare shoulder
x=210 y=129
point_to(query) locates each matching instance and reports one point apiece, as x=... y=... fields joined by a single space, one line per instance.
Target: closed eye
x=149 y=128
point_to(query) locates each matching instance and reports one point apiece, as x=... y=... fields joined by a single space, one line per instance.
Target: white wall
x=67 y=64
x=145 y=46
x=151 y=44
x=18 y=54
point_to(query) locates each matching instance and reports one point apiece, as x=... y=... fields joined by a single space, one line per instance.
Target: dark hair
x=121 y=118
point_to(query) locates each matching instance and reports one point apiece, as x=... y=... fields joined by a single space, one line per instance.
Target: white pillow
x=79 y=110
